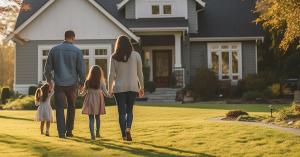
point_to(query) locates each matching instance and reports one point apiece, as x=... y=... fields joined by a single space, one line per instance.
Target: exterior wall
x=143 y=8
x=186 y=58
x=198 y=56
x=27 y=61
x=87 y=22
x=192 y=16
x=249 y=57
x=130 y=10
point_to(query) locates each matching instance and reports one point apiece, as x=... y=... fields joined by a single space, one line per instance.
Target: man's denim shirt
x=65 y=62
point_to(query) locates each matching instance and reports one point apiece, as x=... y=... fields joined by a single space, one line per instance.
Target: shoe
x=47 y=134
x=62 y=136
x=69 y=134
x=93 y=137
x=98 y=134
x=128 y=135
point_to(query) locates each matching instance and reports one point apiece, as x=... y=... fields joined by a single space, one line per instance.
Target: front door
x=162 y=67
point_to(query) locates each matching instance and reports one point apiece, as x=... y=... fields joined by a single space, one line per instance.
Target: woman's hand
x=141 y=93
x=111 y=94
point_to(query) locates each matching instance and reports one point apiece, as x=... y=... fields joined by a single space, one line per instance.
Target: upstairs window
x=155 y=9
x=167 y=9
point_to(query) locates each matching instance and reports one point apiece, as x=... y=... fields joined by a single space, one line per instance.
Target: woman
x=127 y=77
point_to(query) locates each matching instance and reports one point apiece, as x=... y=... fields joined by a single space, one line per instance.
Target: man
x=65 y=61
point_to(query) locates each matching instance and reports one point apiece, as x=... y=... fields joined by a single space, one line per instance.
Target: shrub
x=289 y=113
x=252 y=95
x=31 y=90
x=150 y=86
x=225 y=89
x=26 y=103
x=246 y=118
x=254 y=82
x=5 y=94
x=235 y=114
x=205 y=84
x=275 y=89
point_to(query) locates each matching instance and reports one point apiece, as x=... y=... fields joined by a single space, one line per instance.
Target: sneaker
x=98 y=134
x=47 y=134
x=62 y=136
x=128 y=135
x=93 y=137
x=69 y=134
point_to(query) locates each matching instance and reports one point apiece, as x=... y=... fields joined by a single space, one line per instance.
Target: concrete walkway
x=272 y=126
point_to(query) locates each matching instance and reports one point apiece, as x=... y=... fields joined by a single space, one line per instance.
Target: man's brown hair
x=69 y=34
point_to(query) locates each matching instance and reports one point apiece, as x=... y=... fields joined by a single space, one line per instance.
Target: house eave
x=159 y=29
x=257 y=38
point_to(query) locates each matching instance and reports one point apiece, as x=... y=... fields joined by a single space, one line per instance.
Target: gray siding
x=198 y=58
x=185 y=57
x=249 y=57
x=130 y=10
x=27 y=59
x=192 y=16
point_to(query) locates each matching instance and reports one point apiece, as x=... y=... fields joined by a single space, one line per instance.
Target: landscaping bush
x=275 y=88
x=26 y=103
x=225 y=89
x=205 y=84
x=252 y=95
x=31 y=90
x=254 y=82
x=289 y=113
x=246 y=118
x=235 y=114
x=5 y=94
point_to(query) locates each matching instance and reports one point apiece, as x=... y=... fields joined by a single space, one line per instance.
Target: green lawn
x=158 y=130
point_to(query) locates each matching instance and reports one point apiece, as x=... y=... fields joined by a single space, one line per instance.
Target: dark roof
x=35 y=5
x=228 y=18
x=111 y=7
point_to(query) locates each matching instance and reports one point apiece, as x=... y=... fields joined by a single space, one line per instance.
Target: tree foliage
x=283 y=17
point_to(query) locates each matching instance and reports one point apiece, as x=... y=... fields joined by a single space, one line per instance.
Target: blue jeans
x=125 y=101
x=91 y=124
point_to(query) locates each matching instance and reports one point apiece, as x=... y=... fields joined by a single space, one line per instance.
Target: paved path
x=284 y=129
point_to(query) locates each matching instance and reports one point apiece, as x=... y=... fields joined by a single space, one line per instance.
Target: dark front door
x=162 y=67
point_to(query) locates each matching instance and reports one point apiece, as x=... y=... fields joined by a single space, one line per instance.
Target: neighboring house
x=172 y=35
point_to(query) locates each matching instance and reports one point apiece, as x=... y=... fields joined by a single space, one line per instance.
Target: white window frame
x=92 y=57
x=161 y=9
x=229 y=50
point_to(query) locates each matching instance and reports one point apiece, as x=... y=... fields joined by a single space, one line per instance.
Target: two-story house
x=173 y=36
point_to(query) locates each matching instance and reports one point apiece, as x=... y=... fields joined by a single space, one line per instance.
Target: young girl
x=93 y=104
x=44 y=111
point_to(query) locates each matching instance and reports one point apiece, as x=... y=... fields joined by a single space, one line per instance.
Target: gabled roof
x=124 y=2
x=228 y=18
x=37 y=7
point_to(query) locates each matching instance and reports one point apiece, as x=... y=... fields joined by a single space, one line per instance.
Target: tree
x=282 y=17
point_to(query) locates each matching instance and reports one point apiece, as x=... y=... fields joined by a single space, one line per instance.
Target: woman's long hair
x=123 y=49
x=42 y=93
x=94 y=78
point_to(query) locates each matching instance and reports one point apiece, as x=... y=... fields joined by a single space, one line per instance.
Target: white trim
x=23 y=88
x=35 y=15
x=225 y=38
x=203 y=4
x=219 y=50
x=100 y=8
x=178 y=50
x=155 y=29
x=107 y=14
x=92 y=57
x=124 y=2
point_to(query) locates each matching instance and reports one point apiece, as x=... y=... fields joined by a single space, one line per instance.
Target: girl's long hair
x=42 y=93
x=123 y=49
x=94 y=78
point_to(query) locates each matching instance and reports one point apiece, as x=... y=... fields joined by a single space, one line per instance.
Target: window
x=92 y=55
x=225 y=59
x=155 y=10
x=167 y=9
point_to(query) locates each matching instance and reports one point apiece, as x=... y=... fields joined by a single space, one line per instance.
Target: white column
x=178 y=50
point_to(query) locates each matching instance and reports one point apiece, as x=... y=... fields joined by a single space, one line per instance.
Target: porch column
x=178 y=50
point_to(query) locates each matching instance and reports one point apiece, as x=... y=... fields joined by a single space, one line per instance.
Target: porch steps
x=162 y=95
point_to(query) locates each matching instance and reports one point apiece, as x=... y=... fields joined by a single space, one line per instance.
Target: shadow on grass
x=148 y=152
x=214 y=106
x=16 y=118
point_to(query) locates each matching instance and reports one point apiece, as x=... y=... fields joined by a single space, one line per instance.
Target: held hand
x=141 y=93
x=110 y=93
x=50 y=85
x=80 y=88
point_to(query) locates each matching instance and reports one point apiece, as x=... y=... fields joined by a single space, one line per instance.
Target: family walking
x=65 y=67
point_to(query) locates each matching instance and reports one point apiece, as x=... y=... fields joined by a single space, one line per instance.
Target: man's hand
x=81 y=88
x=50 y=85
x=141 y=93
x=111 y=93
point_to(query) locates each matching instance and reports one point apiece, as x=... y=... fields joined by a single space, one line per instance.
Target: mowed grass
x=158 y=130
